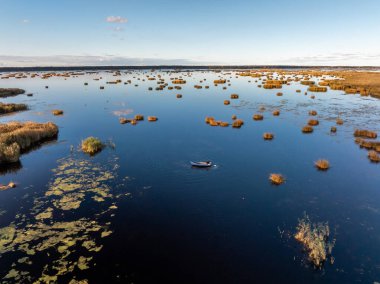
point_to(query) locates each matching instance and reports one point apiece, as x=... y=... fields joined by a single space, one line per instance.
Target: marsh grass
x=315 y=239
x=10 y=108
x=268 y=136
x=365 y=133
x=277 y=179
x=57 y=112
x=322 y=165
x=16 y=137
x=307 y=129
x=92 y=145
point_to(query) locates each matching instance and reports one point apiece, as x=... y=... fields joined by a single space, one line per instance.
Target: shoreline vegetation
x=10 y=92
x=17 y=137
x=11 y=108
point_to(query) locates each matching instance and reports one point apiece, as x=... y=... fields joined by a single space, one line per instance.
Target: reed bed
x=268 y=136
x=234 y=96
x=276 y=112
x=365 y=133
x=374 y=156
x=16 y=137
x=152 y=118
x=226 y=102
x=57 y=112
x=315 y=240
x=237 y=123
x=313 y=122
x=307 y=129
x=10 y=92
x=258 y=117
x=317 y=89
x=139 y=117
x=10 y=108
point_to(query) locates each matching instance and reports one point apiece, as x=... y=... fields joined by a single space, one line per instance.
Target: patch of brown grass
x=16 y=137
x=313 y=122
x=10 y=108
x=277 y=179
x=322 y=165
x=374 y=156
x=365 y=133
x=258 y=117
x=268 y=136
x=307 y=129
x=57 y=112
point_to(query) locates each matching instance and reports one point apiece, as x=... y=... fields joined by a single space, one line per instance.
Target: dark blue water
x=221 y=225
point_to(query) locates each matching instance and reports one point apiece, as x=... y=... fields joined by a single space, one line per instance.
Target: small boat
x=204 y=164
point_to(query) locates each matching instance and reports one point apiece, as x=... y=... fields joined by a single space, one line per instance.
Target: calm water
x=171 y=223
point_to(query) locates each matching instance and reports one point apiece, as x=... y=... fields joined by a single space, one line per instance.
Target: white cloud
x=88 y=60
x=116 y=19
x=117 y=29
x=25 y=21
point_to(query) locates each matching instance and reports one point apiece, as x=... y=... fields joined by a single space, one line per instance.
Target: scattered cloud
x=116 y=19
x=89 y=60
x=25 y=21
x=354 y=58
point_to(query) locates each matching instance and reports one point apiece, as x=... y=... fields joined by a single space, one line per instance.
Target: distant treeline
x=180 y=67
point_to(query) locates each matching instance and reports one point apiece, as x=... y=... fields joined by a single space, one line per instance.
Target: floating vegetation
x=50 y=247
x=226 y=102
x=374 y=156
x=313 y=122
x=307 y=129
x=322 y=165
x=333 y=129
x=258 y=117
x=339 y=121
x=365 y=133
x=317 y=89
x=268 y=136
x=92 y=145
x=10 y=108
x=276 y=112
x=313 y=112
x=152 y=118
x=237 y=123
x=179 y=82
x=57 y=112
x=10 y=92
x=315 y=240
x=16 y=137
x=234 y=96
x=179 y=96
x=279 y=94
x=277 y=179
x=139 y=117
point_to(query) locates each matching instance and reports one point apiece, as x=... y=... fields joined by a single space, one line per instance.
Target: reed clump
x=339 y=121
x=374 y=156
x=226 y=102
x=313 y=112
x=307 y=129
x=279 y=94
x=180 y=82
x=221 y=81
x=322 y=165
x=16 y=137
x=365 y=133
x=92 y=145
x=152 y=118
x=258 y=117
x=276 y=112
x=333 y=129
x=139 y=117
x=10 y=92
x=315 y=239
x=268 y=136
x=179 y=96
x=317 y=89
x=313 y=122
x=307 y=83
x=10 y=108
x=234 y=96
x=237 y=123
x=57 y=112
x=277 y=179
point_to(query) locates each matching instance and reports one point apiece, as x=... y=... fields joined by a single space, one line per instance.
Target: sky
x=189 y=32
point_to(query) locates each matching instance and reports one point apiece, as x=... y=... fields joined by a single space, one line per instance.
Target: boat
x=204 y=164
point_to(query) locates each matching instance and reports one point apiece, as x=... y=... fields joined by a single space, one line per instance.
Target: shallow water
x=173 y=223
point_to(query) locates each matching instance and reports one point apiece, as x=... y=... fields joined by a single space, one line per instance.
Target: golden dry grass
x=313 y=122
x=315 y=239
x=322 y=165
x=16 y=137
x=268 y=136
x=365 y=133
x=92 y=145
x=258 y=117
x=226 y=102
x=9 y=108
x=237 y=123
x=276 y=112
x=234 y=96
x=374 y=156
x=57 y=112
x=307 y=129
x=152 y=118
x=139 y=117
x=10 y=92
x=313 y=112
x=277 y=179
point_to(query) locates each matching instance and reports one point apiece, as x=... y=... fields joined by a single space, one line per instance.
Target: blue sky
x=138 y=32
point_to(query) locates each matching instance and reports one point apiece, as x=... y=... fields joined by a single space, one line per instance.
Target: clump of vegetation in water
x=315 y=239
x=16 y=137
x=276 y=112
x=322 y=165
x=258 y=117
x=365 y=133
x=9 y=108
x=237 y=123
x=307 y=129
x=268 y=136
x=92 y=145
x=313 y=122
x=57 y=112
x=374 y=156
x=277 y=179
x=10 y=92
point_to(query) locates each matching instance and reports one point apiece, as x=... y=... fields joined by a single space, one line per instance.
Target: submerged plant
x=315 y=239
